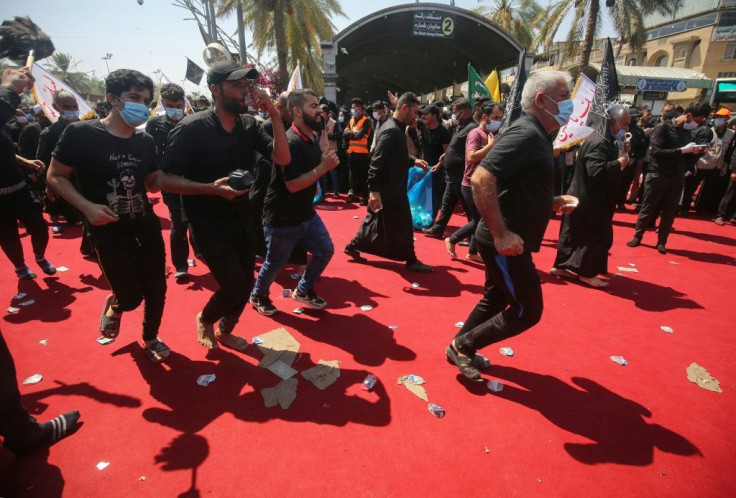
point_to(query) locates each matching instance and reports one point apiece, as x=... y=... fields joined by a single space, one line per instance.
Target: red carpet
x=569 y=421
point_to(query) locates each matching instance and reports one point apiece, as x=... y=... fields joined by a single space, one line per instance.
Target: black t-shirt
x=201 y=150
x=111 y=171
x=455 y=154
x=159 y=127
x=10 y=173
x=28 y=140
x=48 y=140
x=433 y=144
x=284 y=208
x=523 y=163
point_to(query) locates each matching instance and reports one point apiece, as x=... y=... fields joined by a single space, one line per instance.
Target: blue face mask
x=174 y=114
x=341 y=119
x=719 y=121
x=620 y=134
x=564 y=110
x=493 y=126
x=352 y=112
x=30 y=117
x=133 y=113
x=70 y=115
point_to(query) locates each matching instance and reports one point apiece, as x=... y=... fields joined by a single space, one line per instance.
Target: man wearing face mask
x=288 y=215
x=434 y=145
x=701 y=134
x=114 y=164
x=713 y=165
x=172 y=99
x=202 y=150
x=513 y=189
x=453 y=160
x=357 y=132
x=379 y=117
x=586 y=234
x=670 y=143
x=480 y=142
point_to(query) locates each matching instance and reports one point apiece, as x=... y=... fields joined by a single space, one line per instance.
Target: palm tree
x=627 y=16
x=60 y=65
x=293 y=28
x=514 y=16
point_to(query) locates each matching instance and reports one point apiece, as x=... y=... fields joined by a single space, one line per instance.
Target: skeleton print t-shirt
x=111 y=171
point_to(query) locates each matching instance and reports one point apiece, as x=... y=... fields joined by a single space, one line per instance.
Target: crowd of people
x=241 y=179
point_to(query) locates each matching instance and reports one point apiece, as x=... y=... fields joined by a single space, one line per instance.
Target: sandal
x=158 y=352
x=24 y=273
x=463 y=363
x=479 y=361
x=109 y=326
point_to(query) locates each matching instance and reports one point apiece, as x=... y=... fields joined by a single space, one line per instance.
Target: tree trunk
x=241 y=34
x=590 y=26
x=279 y=29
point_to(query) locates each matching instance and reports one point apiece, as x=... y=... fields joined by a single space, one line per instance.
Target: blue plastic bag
x=415 y=174
x=420 y=200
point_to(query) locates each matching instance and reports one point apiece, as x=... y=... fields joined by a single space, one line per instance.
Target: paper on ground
x=283 y=394
x=324 y=374
x=278 y=344
x=627 y=269
x=700 y=376
x=416 y=389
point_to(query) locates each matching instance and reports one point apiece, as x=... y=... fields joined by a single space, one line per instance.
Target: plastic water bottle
x=436 y=410
x=369 y=382
x=415 y=379
x=495 y=386
x=506 y=351
x=620 y=360
x=206 y=380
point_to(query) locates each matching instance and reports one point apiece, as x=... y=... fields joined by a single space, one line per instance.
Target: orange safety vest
x=358 y=146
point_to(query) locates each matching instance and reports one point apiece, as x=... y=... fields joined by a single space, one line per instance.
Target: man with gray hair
x=586 y=234
x=513 y=189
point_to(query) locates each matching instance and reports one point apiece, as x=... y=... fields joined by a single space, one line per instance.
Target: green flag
x=476 y=87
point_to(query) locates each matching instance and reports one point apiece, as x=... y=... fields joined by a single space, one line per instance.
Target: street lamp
x=107 y=57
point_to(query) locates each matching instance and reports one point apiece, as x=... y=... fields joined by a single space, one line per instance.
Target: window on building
x=728 y=74
x=632 y=62
x=662 y=61
x=728 y=18
x=730 y=53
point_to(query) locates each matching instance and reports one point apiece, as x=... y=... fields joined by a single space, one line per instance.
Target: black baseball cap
x=229 y=71
x=430 y=109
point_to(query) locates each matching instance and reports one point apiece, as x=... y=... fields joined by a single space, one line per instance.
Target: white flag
x=295 y=83
x=44 y=89
x=575 y=130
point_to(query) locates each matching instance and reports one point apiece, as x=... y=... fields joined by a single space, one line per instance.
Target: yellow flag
x=493 y=86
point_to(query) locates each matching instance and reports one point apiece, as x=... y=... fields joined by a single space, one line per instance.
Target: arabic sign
x=724 y=33
x=433 y=24
x=660 y=85
x=575 y=130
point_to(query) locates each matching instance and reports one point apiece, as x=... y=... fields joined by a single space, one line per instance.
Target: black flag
x=194 y=72
x=606 y=90
x=513 y=104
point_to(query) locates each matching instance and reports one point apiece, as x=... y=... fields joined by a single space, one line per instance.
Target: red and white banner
x=44 y=89
x=575 y=130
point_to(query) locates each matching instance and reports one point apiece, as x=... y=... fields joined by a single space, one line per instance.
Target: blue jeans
x=311 y=235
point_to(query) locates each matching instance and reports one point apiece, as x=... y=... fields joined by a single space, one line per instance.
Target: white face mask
x=376 y=115
x=21 y=119
x=690 y=125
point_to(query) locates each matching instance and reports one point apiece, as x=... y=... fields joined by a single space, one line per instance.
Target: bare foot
x=450 y=248
x=593 y=282
x=206 y=333
x=474 y=257
x=560 y=272
x=231 y=341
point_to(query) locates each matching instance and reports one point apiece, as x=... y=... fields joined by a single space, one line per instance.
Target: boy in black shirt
x=114 y=165
x=289 y=218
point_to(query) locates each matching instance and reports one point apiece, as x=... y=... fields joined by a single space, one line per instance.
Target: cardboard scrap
x=324 y=374
x=283 y=393
x=627 y=269
x=416 y=389
x=277 y=345
x=700 y=376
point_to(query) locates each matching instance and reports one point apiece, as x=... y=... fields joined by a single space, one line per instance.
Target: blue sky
x=145 y=37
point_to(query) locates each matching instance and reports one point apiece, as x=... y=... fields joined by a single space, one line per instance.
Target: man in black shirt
x=172 y=98
x=434 y=145
x=701 y=134
x=664 y=181
x=203 y=149
x=513 y=188
x=115 y=164
x=454 y=164
x=16 y=201
x=289 y=218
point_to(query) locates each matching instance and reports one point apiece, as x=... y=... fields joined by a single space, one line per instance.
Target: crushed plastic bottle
x=436 y=410
x=286 y=293
x=257 y=341
x=369 y=382
x=667 y=329
x=495 y=386
x=506 y=351
x=206 y=379
x=415 y=379
x=620 y=360
x=459 y=324
x=366 y=307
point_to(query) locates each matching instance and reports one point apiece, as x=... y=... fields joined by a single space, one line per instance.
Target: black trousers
x=438 y=192
x=727 y=206
x=178 y=239
x=16 y=425
x=469 y=228
x=691 y=185
x=135 y=268
x=358 y=164
x=661 y=198
x=230 y=254
x=24 y=207
x=512 y=301
x=453 y=195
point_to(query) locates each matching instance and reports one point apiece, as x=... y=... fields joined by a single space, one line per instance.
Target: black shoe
x=355 y=254
x=181 y=276
x=351 y=198
x=311 y=299
x=661 y=249
x=420 y=267
x=432 y=232
x=263 y=305
x=634 y=242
